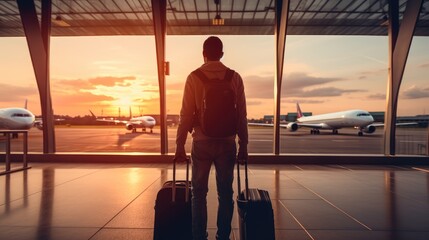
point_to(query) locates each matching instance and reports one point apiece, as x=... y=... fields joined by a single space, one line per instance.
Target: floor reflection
x=10 y=186
x=46 y=204
x=390 y=191
x=102 y=201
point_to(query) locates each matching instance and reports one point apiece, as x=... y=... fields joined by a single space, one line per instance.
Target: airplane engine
x=129 y=127
x=369 y=129
x=292 y=127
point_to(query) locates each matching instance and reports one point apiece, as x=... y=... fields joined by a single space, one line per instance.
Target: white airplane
x=16 y=119
x=359 y=119
x=19 y=119
x=132 y=124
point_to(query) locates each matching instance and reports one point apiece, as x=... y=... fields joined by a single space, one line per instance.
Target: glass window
x=251 y=56
x=412 y=102
x=101 y=89
x=18 y=89
x=335 y=78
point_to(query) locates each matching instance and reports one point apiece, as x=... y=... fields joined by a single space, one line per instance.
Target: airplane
x=16 y=119
x=359 y=119
x=132 y=124
x=19 y=119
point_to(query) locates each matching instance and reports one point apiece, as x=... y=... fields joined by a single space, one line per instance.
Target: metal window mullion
x=254 y=13
x=196 y=14
x=184 y=10
x=232 y=8
x=123 y=12
x=266 y=13
x=400 y=38
x=281 y=20
x=174 y=13
x=81 y=14
x=145 y=10
x=38 y=47
x=242 y=14
x=296 y=9
x=131 y=6
x=208 y=10
x=159 y=11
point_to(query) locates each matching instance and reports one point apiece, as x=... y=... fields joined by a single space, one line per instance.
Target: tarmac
x=117 y=139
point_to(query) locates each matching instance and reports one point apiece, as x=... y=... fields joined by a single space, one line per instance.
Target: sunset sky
x=323 y=73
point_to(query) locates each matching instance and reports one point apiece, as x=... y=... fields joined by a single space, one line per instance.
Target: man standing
x=213 y=138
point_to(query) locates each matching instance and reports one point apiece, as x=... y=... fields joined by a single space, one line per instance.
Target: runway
x=118 y=139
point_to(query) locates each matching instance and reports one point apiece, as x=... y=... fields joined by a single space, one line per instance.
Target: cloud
x=298 y=81
x=12 y=93
x=294 y=85
x=374 y=72
x=120 y=90
x=109 y=81
x=414 y=92
x=377 y=96
x=297 y=84
x=324 y=92
x=258 y=87
x=309 y=101
x=425 y=65
x=81 y=98
x=91 y=83
x=75 y=84
x=253 y=103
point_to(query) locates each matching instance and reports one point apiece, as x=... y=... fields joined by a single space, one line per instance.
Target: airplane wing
x=261 y=124
x=38 y=122
x=112 y=121
x=313 y=125
x=266 y=125
x=397 y=124
x=309 y=125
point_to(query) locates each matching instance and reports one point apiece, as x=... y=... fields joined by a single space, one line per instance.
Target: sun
x=124 y=101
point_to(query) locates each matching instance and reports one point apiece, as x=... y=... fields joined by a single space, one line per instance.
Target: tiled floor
x=106 y=201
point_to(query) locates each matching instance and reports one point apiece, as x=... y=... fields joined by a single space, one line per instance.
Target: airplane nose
x=29 y=122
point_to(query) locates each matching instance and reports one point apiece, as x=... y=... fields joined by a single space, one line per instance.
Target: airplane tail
x=298 y=111
x=25 y=105
x=92 y=114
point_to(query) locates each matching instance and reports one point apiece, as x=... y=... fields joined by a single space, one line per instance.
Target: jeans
x=222 y=153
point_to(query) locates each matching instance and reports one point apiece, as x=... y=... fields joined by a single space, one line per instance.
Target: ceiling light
x=218 y=20
x=58 y=21
x=385 y=21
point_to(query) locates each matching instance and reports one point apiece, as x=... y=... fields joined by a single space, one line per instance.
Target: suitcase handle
x=173 y=192
x=246 y=180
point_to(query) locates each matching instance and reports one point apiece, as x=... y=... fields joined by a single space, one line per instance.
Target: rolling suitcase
x=255 y=212
x=173 y=213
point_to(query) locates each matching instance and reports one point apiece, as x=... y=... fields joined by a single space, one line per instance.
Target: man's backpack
x=217 y=114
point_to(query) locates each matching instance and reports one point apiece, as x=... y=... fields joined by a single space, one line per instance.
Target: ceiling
x=194 y=17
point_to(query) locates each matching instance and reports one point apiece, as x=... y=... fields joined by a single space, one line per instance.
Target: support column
x=280 y=30
x=38 y=45
x=159 y=11
x=400 y=37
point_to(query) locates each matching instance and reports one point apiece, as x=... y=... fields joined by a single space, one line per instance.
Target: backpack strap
x=228 y=75
x=200 y=75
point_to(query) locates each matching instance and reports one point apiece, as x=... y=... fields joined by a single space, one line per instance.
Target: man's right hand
x=180 y=156
x=242 y=157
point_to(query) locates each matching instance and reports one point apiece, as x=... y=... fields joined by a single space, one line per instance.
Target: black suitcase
x=255 y=212
x=173 y=213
